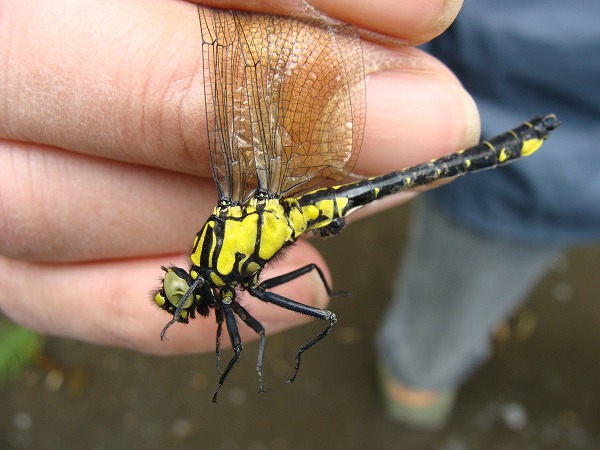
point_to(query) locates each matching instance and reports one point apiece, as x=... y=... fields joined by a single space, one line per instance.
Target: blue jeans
x=452 y=290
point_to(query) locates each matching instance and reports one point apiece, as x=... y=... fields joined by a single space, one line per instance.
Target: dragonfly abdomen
x=327 y=207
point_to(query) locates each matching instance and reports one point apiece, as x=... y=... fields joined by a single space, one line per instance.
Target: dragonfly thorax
x=237 y=241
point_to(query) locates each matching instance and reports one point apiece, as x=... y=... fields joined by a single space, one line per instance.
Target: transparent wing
x=285 y=102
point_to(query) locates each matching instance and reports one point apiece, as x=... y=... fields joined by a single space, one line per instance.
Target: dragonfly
x=285 y=108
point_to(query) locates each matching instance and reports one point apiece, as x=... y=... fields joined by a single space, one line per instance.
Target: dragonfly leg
x=287 y=277
x=220 y=318
x=301 y=308
x=236 y=345
x=258 y=329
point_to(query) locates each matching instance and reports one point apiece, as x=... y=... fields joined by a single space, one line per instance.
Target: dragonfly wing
x=285 y=101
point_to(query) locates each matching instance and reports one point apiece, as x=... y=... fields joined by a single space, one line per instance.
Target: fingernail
x=393 y=18
x=449 y=13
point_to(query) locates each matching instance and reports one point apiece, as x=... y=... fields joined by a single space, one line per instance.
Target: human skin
x=104 y=170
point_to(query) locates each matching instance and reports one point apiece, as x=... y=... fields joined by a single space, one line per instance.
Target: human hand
x=104 y=165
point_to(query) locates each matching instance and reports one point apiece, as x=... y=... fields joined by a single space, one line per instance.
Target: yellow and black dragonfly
x=285 y=107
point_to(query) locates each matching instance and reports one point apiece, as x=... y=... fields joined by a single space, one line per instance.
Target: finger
x=413 y=21
x=57 y=205
x=123 y=80
x=112 y=78
x=109 y=303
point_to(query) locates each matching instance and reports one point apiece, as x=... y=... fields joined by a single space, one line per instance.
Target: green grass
x=18 y=347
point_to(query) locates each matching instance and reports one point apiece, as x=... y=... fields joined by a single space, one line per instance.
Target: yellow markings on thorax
x=298 y=218
x=199 y=243
x=216 y=279
x=255 y=230
x=275 y=231
x=239 y=238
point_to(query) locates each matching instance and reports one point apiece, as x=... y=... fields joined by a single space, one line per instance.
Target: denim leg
x=454 y=287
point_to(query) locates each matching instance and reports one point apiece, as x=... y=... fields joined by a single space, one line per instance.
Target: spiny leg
x=301 y=308
x=258 y=329
x=236 y=345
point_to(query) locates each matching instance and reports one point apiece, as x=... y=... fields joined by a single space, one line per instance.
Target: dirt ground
x=541 y=390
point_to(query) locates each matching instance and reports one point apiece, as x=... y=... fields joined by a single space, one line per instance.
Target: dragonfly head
x=179 y=294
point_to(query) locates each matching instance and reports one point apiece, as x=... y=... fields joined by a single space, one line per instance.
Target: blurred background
x=541 y=390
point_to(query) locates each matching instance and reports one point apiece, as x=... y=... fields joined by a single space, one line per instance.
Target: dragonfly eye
x=175 y=285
